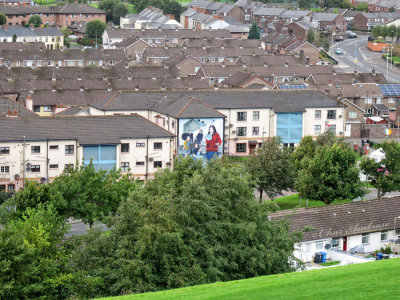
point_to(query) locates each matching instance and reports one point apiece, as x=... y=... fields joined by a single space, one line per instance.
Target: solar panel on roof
x=390 y=89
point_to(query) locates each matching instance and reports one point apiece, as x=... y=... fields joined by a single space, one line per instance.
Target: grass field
x=373 y=280
x=293 y=201
x=131 y=8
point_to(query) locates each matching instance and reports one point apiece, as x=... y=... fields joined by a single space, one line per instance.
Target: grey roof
x=88 y=130
x=26 y=31
x=333 y=221
x=241 y=3
x=191 y=108
x=10 y=107
x=72 y=111
x=64 y=9
x=268 y=11
x=280 y=101
x=381 y=107
x=324 y=17
x=294 y=14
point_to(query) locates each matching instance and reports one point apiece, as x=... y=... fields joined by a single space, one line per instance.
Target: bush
x=384 y=250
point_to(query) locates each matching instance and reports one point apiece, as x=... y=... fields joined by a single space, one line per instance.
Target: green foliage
x=362 y=6
x=254 y=33
x=14 y=38
x=330 y=263
x=306 y=4
x=310 y=36
x=272 y=168
x=119 y=10
x=392 y=9
x=384 y=175
x=82 y=193
x=331 y=174
x=383 y=31
x=114 y=9
x=36 y=21
x=188 y=226
x=3 y=19
x=376 y=31
x=391 y=31
x=32 y=263
x=95 y=29
x=168 y=6
x=384 y=250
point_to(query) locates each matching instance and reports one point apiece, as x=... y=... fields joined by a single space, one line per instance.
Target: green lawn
x=293 y=201
x=373 y=280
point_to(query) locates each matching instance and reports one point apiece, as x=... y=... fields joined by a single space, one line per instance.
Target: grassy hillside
x=374 y=280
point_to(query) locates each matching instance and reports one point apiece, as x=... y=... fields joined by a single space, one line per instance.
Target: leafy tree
x=330 y=174
x=192 y=225
x=306 y=4
x=398 y=32
x=272 y=168
x=33 y=264
x=3 y=19
x=254 y=33
x=392 y=9
x=119 y=10
x=36 y=21
x=14 y=38
x=385 y=174
x=325 y=44
x=391 y=31
x=362 y=6
x=376 y=31
x=383 y=31
x=108 y=6
x=310 y=36
x=95 y=29
x=173 y=7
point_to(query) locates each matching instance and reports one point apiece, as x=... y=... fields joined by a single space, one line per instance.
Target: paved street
x=356 y=56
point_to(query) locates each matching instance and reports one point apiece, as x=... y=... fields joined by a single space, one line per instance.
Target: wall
x=374 y=241
x=377 y=47
x=309 y=120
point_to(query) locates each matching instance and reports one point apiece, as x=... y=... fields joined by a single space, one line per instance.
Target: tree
x=392 y=9
x=362 y=6
x=3 y=19
x=330 y=174
x=383 y=31
x=310 y=36
x=376 y=31
x=391 y=31
x=306 y=4
x=384 y=175
x=254 y=33
x=36 y=21
x=325 y=44
x=119 y=10
x=182 y=227
x=272 y=168
x=173 y=7
x=14 y=37
x=33 y=264
x=95 y=29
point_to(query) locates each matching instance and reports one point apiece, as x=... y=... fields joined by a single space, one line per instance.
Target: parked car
x=352 y=35
x=339 y=38
x=338 y=51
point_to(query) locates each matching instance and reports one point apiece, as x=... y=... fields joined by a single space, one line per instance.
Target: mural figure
x=213 y=140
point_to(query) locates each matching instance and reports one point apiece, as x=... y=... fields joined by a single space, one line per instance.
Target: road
x=356 y=56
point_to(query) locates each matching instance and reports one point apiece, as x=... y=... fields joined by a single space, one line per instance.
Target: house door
x=345 y=243
x=252 y=149
x=347 y=130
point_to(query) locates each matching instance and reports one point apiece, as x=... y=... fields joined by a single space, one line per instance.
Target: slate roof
x=72 y=111
x=64 y=9
x=191 y=108
x=168 y=33
x=324 y=17
x=268 y=11
x=342 y=220
x=88 y=130
x=26 y=31
x=10 y=107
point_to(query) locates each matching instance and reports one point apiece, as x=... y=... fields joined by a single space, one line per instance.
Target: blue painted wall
x=289 y=127
x=103 y=156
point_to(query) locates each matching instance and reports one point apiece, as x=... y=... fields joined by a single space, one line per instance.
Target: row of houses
x=242 y=119
x=380 y=5
x=60 y=16
x=52 y=37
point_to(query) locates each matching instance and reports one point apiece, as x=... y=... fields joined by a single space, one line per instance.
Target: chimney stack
x=29 y=102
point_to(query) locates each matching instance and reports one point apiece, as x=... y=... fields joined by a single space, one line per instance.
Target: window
x=69 y=149
x=125 y=147
x=11 y=188
x=35 y=149
x=331 y=114
x=317 y=129
x=35 y=168
x=5 y=169
x=256 y=115
x=53 y=147
x=365 y=238
x=140 y=145
x=241 y=131
x=241 y=148
x=140 y=163
x=318 y=114
x=36 y=108
x=47 y=108
x=378 y=100
x=370 y=111
x=307 y=247
x=54 y=166
x=68 y=166
x=157 y=164
x=256 y=130
x=157 y=146
x=368 y=100
x=335 y=242
x=319 y=245
x=4 y=150
x=332 y=128
x=242 y=116
x=352 y=114
x=384 y=235
x=125 y=166
x=391 y=100
x=2 y=187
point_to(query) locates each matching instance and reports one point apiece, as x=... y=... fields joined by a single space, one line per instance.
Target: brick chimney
x=170 y=16
x=29 y=102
